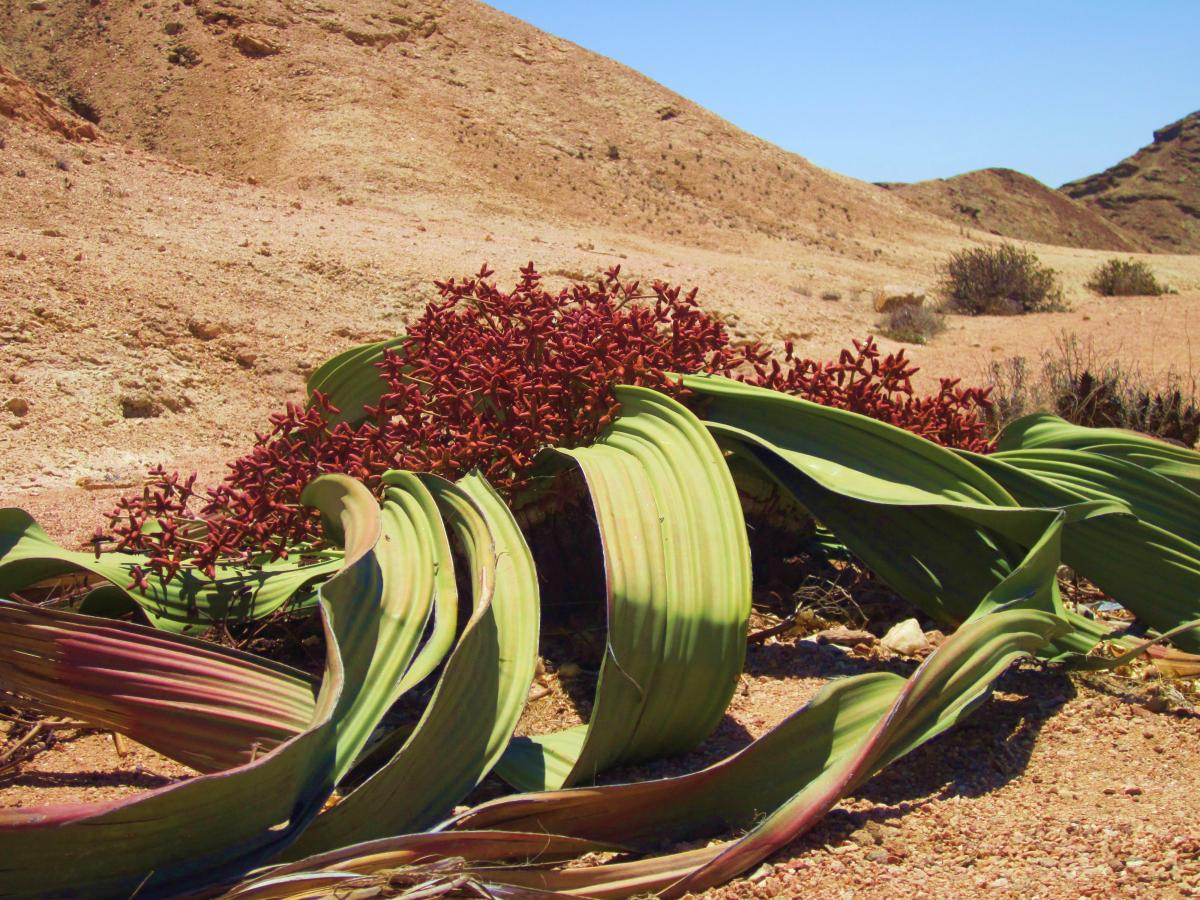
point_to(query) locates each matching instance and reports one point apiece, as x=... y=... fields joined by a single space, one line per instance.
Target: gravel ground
x=1057 y=786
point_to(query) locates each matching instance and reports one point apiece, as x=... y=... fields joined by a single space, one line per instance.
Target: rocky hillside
x=1013 y=205
x=1156 y=192
x=373 y=102
x=22 y=102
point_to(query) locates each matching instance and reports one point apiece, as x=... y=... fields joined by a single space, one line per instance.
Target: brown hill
x=1156 y=192
x=371 y=101
x=1013 y=205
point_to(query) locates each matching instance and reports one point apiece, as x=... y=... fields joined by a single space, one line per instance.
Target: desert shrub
x=489 y=378
x=1000 y=281
x=1126 y=278
x=1077 y=384
x=912 y=324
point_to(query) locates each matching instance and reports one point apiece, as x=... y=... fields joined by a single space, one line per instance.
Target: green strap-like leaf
x=677 y=565
x=794 y=774
x=938 y=530
x=352 y=380
x=213 y=824
x=1149 y=564
x=481 y=692
x=221 y=824
x=382 y=645
x=209 y=708
x=188 y=603
x=1045 y=431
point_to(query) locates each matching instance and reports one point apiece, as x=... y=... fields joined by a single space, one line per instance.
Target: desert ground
x=169 y=277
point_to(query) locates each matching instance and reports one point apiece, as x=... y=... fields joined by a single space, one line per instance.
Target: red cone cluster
x=485 y=381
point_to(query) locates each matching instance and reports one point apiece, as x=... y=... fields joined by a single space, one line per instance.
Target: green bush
x=1001 y=281
x=912 y=324
x=1126 y=278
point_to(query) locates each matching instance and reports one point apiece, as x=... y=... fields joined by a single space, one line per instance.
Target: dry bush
x=1074 y=382
x=912 y=324
x=1126 y=278
x=1004 y=280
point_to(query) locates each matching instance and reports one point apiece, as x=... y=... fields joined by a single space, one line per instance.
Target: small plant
x=1109 y=401
x=912 y=324
x=614 y=152
x=1000 y=281
x=1084 y=389
x=1126 y=278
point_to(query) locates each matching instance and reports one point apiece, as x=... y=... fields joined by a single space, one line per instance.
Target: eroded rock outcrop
x=1156 y=192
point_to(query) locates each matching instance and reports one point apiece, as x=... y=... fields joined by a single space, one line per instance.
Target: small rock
x=760 y=873
x=250 y=45
x=906 y=638
x=893 y=296
x=88 y=483
x=18 y=406
x=246 y=360
x=206 y=331
x=1133 y=791
x=140 y=406
x=863 y=837
x=878 y=855
x=847 y=637
x=172 y=28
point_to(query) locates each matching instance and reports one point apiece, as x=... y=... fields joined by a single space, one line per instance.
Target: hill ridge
x=1155 y=192
x=373 y=102
x=1011 y=204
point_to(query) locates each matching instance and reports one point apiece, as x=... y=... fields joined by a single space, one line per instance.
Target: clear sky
x=905 y=91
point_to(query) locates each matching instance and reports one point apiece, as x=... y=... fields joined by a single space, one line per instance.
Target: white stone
x=906 y=638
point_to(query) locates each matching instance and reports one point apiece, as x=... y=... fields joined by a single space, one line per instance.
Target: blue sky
x=909 y=91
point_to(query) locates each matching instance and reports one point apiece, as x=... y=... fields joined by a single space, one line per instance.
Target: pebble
x=18 y=406
x=906 y=638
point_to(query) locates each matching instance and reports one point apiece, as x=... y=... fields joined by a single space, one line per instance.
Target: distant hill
x=1156 y=192
x=1013 y=205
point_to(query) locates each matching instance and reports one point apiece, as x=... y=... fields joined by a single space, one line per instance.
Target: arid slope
x=374 y=102
x=1154 y=193
x=1013 y=205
